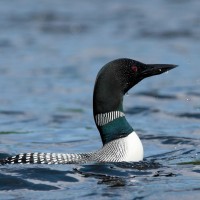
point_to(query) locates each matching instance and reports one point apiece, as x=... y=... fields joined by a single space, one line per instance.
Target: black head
x=129 y=72
x=117 y=77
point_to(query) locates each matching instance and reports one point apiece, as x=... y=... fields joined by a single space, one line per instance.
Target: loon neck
x=108 y=104
x=111 y=124
x=112 y=128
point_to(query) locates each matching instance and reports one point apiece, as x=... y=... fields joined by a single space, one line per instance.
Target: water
x=50 y=53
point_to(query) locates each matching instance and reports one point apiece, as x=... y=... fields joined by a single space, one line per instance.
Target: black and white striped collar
x=104 y=118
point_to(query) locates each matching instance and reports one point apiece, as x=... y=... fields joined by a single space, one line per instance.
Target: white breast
x=126 y=149
x=134 y=148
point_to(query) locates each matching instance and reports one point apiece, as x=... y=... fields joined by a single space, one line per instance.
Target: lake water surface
x=50 y=53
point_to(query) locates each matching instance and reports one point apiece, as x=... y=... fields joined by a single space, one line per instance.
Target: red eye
x=134 y=68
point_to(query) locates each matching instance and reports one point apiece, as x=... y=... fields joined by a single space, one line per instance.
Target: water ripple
x=189 y=115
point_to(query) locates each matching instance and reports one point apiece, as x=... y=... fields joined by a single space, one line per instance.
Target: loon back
x=120 y=142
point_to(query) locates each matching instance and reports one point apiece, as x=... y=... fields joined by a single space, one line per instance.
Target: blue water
x=50 y=53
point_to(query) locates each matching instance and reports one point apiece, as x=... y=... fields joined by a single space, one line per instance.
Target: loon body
x=120 y=142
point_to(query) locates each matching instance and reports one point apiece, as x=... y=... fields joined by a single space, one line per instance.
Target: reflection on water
x=50 y=53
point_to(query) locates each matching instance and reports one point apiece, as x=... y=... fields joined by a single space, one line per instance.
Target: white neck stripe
x=104 y=118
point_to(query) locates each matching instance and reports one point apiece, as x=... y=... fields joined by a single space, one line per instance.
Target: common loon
x=120 y=142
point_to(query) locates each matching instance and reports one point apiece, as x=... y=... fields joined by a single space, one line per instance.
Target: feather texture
x=123 y=149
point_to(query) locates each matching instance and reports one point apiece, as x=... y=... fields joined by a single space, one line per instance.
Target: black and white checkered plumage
x=115 y=151
x=46 y=158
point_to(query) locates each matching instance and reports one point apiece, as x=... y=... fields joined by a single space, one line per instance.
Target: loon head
x=114 y=80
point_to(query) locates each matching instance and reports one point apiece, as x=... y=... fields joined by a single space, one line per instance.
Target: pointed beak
x=155 y=69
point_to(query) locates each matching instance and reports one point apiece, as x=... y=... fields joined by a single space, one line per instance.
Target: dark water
x=50 y=52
